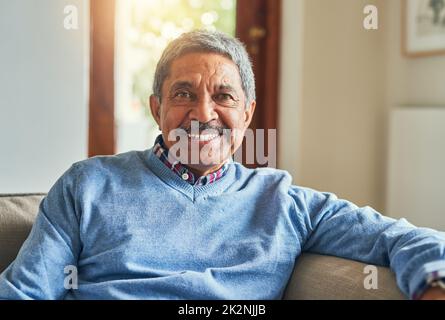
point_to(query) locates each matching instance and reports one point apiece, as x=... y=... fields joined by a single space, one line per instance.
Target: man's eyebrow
x=227 y=87
x=181 y=84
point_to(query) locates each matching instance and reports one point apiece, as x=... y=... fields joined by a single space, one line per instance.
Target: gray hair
x=207 y=41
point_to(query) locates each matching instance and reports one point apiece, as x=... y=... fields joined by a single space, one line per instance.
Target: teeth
x=203 y=137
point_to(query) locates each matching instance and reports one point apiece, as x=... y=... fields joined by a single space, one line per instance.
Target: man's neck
x=203 y=171
x=197 y=170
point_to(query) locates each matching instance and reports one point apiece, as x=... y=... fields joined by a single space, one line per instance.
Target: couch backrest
x=17 y=214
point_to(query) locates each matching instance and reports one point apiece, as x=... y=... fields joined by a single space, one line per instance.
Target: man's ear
x=248 y=113
x=155 y=108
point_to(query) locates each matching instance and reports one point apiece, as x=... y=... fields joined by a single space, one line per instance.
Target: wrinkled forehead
x=207 y=68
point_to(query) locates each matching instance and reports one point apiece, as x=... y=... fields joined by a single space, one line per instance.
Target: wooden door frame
x=266 y=68
x=262 y=16
x=101 y=133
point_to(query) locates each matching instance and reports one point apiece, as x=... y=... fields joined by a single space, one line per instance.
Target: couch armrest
x=325 y=277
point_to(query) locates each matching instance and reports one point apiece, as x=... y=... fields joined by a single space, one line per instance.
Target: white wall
x=333 y=99
x=340 y=83
x=43 y=92
x=290 y=88
x=416 y=166
x=416 y=154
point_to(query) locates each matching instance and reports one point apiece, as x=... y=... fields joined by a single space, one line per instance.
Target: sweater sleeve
x=338 y=227
x=38 y=272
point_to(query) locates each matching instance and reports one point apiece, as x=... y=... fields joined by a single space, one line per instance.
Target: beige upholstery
x=325 y=277
x=17 y=213
x=314 y=277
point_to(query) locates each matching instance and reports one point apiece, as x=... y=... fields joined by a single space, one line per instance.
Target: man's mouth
x=204 y=137
x=205 y=133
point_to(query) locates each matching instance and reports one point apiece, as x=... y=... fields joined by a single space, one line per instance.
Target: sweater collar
x=230 y=181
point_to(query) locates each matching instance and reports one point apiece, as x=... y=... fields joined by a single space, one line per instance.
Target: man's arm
x=53 y=244
x=338 y=227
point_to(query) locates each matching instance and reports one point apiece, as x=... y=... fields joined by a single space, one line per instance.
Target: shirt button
x=185 y=176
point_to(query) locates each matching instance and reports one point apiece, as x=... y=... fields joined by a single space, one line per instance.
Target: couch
x=314 y=277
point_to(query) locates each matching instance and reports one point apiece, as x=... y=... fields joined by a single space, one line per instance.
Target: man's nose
x=204 y=110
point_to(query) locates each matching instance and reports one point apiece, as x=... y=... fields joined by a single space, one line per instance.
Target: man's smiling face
x=204 y=89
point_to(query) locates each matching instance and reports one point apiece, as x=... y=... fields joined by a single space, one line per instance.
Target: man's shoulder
x=107 y=161
x=107 y=165
x=267 y=175
x=273 y=177
x=273 y=172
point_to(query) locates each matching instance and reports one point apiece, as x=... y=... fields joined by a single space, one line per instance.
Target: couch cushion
x=17 y=214
x=325 y=277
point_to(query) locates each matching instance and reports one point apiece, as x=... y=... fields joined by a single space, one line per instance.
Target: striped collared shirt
x=161 y=151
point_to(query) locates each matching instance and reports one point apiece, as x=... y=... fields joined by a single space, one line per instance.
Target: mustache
x=201 y=126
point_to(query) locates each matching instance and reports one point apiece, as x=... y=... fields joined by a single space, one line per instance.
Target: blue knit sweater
x=133 y=229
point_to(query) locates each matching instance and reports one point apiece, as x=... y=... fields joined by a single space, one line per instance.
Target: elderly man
x=155 y=224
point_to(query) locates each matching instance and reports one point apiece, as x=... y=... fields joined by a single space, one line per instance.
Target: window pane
x=144 y=27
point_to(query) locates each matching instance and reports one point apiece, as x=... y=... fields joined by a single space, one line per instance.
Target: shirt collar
x=161 y=151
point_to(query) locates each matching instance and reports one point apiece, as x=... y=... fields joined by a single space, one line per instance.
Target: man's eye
x=183 y=94
x=223 y=97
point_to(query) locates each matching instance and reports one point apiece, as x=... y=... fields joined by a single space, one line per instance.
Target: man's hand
x=433 y=294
